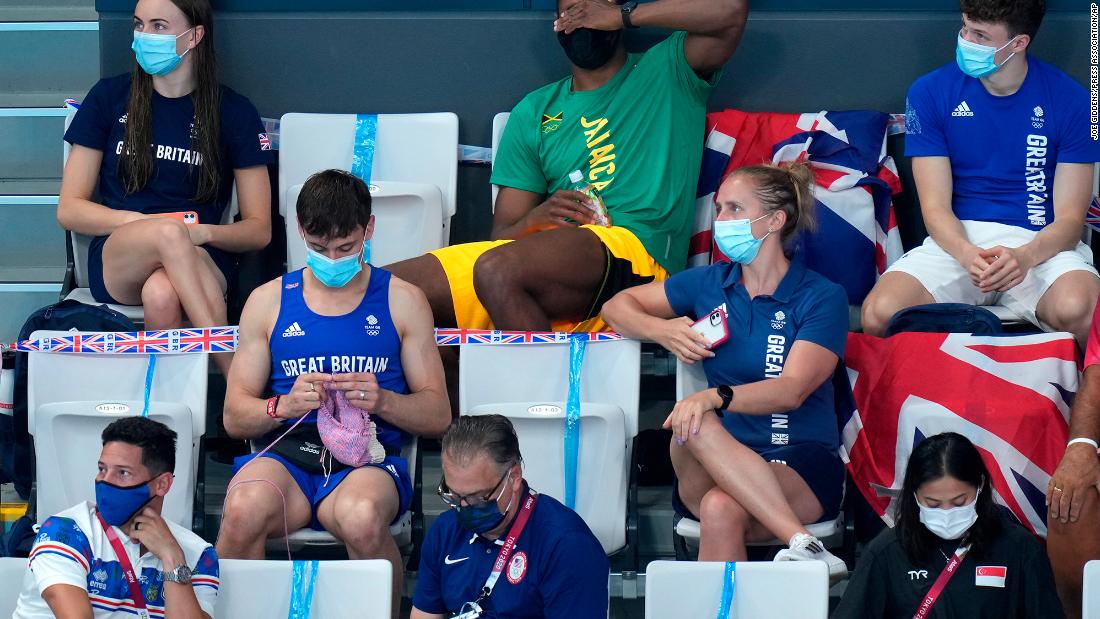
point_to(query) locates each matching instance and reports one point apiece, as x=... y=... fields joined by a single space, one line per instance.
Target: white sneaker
x=806 y=547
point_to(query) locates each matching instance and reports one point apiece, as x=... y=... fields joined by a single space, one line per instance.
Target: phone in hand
x=713 y=326
x=189 y=218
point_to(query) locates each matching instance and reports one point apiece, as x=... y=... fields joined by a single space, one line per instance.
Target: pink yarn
x=348 y=432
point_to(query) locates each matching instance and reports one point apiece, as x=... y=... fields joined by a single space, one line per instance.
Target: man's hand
x=974 y=264
x=562 y=205
x=361 y=388
x=1077 y=474
x=151 y=531
x=681 y=340
x=307 y=394
x=1007 y=267
x=594 y=14
x=687 y=415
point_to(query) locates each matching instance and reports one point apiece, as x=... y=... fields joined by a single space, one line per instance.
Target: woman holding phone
x=162 y=147
x=755 y=453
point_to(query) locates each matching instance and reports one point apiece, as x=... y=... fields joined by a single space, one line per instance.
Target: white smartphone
x=713 y=326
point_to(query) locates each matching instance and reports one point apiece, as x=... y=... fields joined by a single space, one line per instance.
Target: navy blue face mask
x=118 y=504
x=483 y=517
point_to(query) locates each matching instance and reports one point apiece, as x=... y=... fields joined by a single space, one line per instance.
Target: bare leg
x=894 y=292
x=426 y=273
x=1069 y=302
x=359 y=513
x=1069 y=547
x=254 y=509
x=162 y=304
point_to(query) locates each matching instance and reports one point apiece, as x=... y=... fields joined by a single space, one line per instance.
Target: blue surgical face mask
x=156 y=53
x=483 y=517
x=118 y=504
x=734 y=239
x=335 y=273
x=979 y=60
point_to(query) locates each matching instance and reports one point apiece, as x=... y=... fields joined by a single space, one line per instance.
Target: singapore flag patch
x=990 y=576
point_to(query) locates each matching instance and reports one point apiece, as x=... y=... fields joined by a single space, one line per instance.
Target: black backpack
x=945 y=318
x=16 y=452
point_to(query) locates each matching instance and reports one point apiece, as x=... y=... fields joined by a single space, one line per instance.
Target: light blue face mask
x=335 y=273
x=979 y=60
x=156 y=53
x=734 y=239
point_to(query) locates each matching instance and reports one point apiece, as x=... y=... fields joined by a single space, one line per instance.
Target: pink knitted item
x=348 y=432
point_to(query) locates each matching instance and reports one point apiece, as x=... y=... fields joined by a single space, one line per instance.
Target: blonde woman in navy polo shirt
x=755 y=453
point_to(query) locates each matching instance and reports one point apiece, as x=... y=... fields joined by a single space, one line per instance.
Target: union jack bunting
x=1010 y=396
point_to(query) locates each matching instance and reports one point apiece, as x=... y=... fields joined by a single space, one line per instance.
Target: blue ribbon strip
x=301 y=602
x=148 y=384
x=725 y=609
x=573 y=419
x=362 y=157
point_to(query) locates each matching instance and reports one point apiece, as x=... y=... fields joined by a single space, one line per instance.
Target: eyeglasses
x=455 y=501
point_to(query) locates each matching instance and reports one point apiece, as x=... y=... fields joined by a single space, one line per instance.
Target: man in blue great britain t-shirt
x=1003 y=162
x=334 y=339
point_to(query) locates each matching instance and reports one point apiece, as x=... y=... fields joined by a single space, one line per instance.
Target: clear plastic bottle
x=598 y=208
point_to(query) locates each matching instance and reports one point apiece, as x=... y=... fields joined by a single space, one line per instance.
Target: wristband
x=272 y=407
x=1088 y=441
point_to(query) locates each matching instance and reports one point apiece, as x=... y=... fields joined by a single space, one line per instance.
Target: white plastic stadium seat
x=73 y=397
x=763 y=590
x=528 y=384
x=12 y=571
x=1091 y=606
x=343 y=590
x=499 y=121
x=691 y=379
x=82 y=293
x=413 y=178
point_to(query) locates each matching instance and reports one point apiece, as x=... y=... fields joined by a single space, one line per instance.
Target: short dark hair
x=333 y=203
x=1018 y=16
x=491 y=435
x=936 y=457
x=156 y=440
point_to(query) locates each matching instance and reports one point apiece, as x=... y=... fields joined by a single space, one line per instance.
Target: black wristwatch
x=627 y=8
x=726 y=393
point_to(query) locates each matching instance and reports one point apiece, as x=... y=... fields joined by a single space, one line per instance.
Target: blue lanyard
x=301 y=602
x=362 y=156
x=573 y=420
x=148 y=384
x=725 y=609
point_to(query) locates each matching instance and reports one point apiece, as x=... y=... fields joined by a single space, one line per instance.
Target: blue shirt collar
x=791 y=281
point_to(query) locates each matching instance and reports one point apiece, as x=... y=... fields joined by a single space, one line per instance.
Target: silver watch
x=181 y=575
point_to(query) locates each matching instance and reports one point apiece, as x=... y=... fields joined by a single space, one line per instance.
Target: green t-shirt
x=638 y=139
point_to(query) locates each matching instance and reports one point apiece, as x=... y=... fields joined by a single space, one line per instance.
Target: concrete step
x=19 y=300
x=49 y=57
x=30 y=239
x=23 y=12
x=31 y=144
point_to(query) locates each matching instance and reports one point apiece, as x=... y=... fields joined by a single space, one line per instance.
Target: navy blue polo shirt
x=805 y=306
x=558 y=568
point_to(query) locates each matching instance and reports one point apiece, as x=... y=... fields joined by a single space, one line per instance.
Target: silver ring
x=137 y=525
x=362 y=395
x=312 y=387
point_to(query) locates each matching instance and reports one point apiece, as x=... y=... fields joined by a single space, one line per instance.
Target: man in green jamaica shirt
x=633 y=124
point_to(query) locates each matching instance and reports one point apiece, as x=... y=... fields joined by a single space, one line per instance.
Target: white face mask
x=949 y=523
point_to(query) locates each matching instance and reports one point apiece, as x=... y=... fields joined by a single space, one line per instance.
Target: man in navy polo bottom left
x=337 y=333
x=503 y=550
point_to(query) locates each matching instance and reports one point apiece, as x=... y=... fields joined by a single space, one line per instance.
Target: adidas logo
x=293 y=331
x=962 y=110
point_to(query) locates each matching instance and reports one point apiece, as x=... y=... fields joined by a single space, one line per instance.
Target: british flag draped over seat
x=1010 y=396
x=857 y=236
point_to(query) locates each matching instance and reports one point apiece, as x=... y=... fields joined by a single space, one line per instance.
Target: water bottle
x=596 y=205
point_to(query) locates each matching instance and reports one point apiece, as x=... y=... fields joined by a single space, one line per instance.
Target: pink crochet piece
x=348 y=432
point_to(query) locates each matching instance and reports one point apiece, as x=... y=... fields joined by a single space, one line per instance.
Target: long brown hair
x=136 y=160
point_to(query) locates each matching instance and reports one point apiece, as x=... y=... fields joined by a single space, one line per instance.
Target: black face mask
x=590 y=49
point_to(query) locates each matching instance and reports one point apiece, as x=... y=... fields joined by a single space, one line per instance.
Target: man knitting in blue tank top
x=320 y=348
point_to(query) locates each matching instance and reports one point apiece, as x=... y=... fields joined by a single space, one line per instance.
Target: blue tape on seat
x=573 y=419
x=725 y=609
x=301 y=598
x=148 y=384
x=362 y=157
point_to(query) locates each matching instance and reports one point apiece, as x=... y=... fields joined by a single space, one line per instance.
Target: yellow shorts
x=628 y=264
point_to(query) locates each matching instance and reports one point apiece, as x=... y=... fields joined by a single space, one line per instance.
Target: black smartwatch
x=726 y=393
x=627 y=8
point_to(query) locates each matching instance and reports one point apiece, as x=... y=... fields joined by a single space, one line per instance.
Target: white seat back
x=763 y=589
x=689 y=379
x=499 y=121
x=12 y=572
x=419 y=149
x=1091 y=607
x=343 y=590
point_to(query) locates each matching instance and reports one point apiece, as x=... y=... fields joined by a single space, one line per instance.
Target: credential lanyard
x=941 y=582
x=127 y=568
x=509 y=545
x=362 y=155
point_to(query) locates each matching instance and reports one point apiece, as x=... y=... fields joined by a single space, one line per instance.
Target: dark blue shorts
x=316 y=489
x=225 y=261
x=821 y=469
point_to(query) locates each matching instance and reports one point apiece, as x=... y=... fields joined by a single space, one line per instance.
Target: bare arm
x=644 y=313
x=932 y=176
x=1078 y=474
x=68 y=602
x=713 y=27
x=253 y=231
x=519 y=213
x=419 y=614
x=75 y=209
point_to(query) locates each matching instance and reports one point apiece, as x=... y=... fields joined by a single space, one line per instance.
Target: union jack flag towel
x=1011 y=396
x=857 y=236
